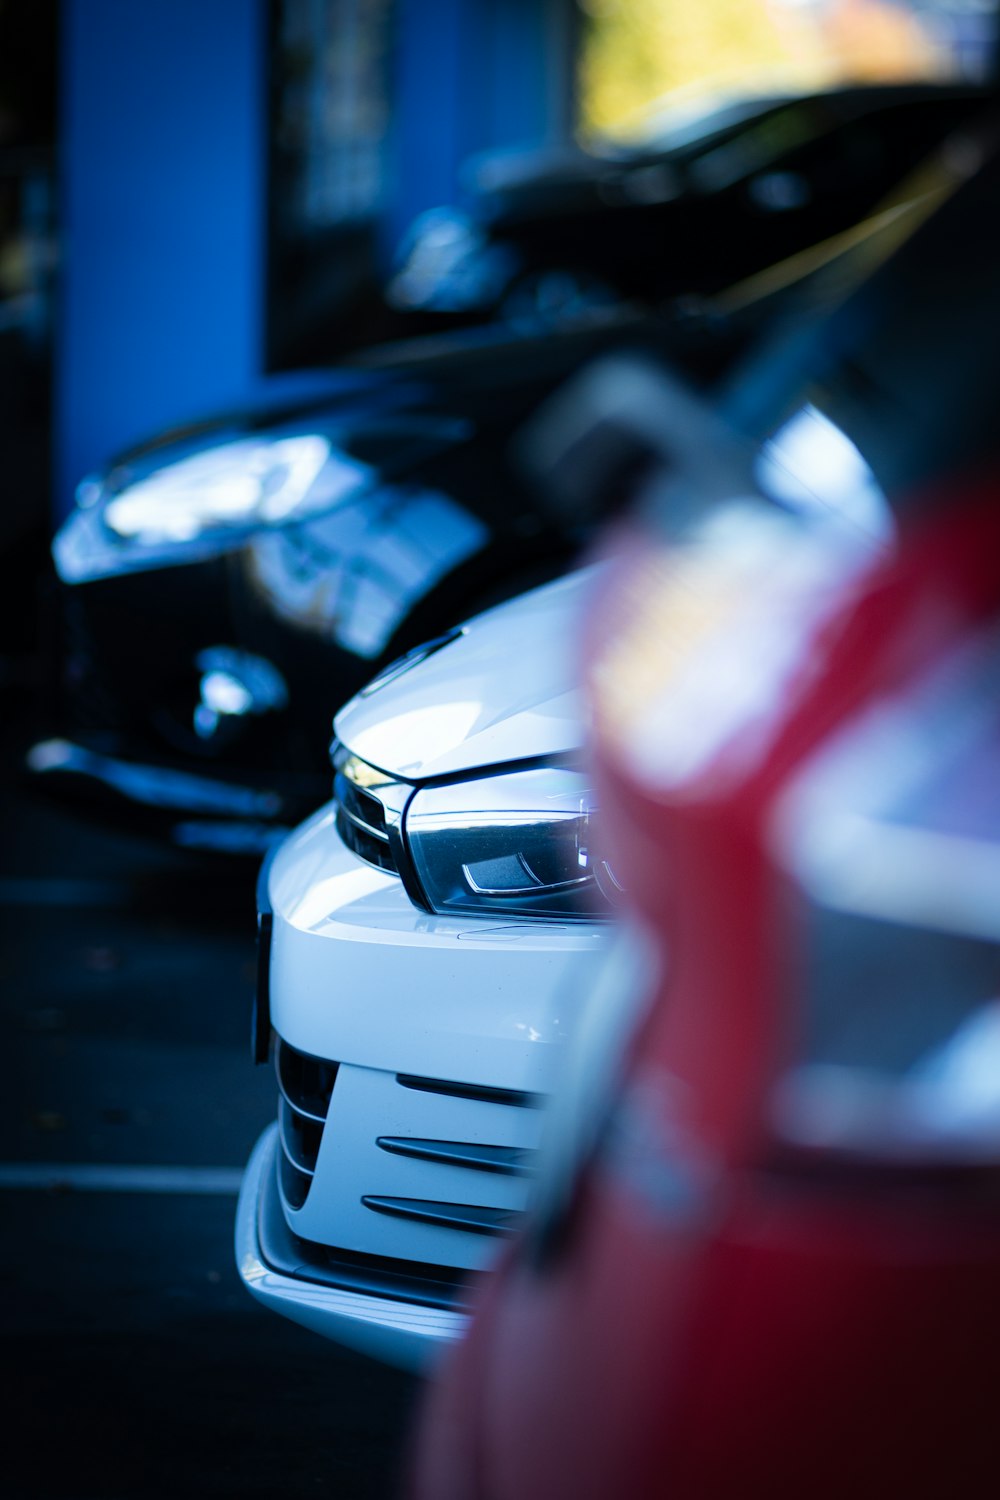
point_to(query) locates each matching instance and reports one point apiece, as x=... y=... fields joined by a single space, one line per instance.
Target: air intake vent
x=305 y=1085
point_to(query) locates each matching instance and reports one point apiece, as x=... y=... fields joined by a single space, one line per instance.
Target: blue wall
x=162 y=165
x=471 y=77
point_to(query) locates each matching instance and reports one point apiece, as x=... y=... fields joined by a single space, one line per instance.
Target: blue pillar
x=163 y=166
x=471 y=77
x=427 y=113
x=517 y=72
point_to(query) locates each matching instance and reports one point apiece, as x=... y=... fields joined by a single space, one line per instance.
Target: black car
x=225 y=588
x=551 y=237
x=222 y=590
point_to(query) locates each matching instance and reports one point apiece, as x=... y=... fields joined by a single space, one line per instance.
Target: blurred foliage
x=637 y=51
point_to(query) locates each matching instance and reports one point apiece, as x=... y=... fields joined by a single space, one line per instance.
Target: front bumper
x=390 y=1327
x=362 y=976
x=412 y=1052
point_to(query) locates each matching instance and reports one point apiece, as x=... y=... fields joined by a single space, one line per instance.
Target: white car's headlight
x=516 y=843
x=249 y=481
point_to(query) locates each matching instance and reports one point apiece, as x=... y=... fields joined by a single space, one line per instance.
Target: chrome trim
x=393 y=797
x=297 y=1109
x=288 y=1208
x=360 y=774
x=289 y=1154
x=352 y=817
x=281 y=1049
x=306 y=1114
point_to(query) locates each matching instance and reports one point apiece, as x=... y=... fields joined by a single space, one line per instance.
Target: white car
x=429 y=937
x=425 y=941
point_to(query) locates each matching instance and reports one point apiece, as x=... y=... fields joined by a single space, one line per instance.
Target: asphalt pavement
x=136 y=1365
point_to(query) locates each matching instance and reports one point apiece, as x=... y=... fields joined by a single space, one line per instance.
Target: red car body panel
x=718 y=1314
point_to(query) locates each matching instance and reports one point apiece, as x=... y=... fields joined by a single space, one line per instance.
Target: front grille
x=361 y=824
x=374 y=1275
x=305 y=1085
x=444 y=1167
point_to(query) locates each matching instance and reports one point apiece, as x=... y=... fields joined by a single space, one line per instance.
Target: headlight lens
x=249 y=481
x=517 y=844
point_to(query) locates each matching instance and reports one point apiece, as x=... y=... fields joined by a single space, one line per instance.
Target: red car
x=766 y=1257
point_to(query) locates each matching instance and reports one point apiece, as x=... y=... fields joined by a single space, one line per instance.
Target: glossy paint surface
x=360 y=975
x=796 y=1288
x=504 y=691
x=791 y=1311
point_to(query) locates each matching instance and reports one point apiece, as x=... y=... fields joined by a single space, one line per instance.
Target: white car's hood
x=504 y=690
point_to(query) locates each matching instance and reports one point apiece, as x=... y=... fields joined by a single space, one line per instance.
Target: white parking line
x=108 y=1178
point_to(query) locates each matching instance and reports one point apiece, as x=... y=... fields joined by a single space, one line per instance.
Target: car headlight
x=249 y=481
x=517 y=843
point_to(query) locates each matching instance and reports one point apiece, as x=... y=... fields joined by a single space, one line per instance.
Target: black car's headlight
x=517 y=843
x=250 y=481
x=148 y=513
